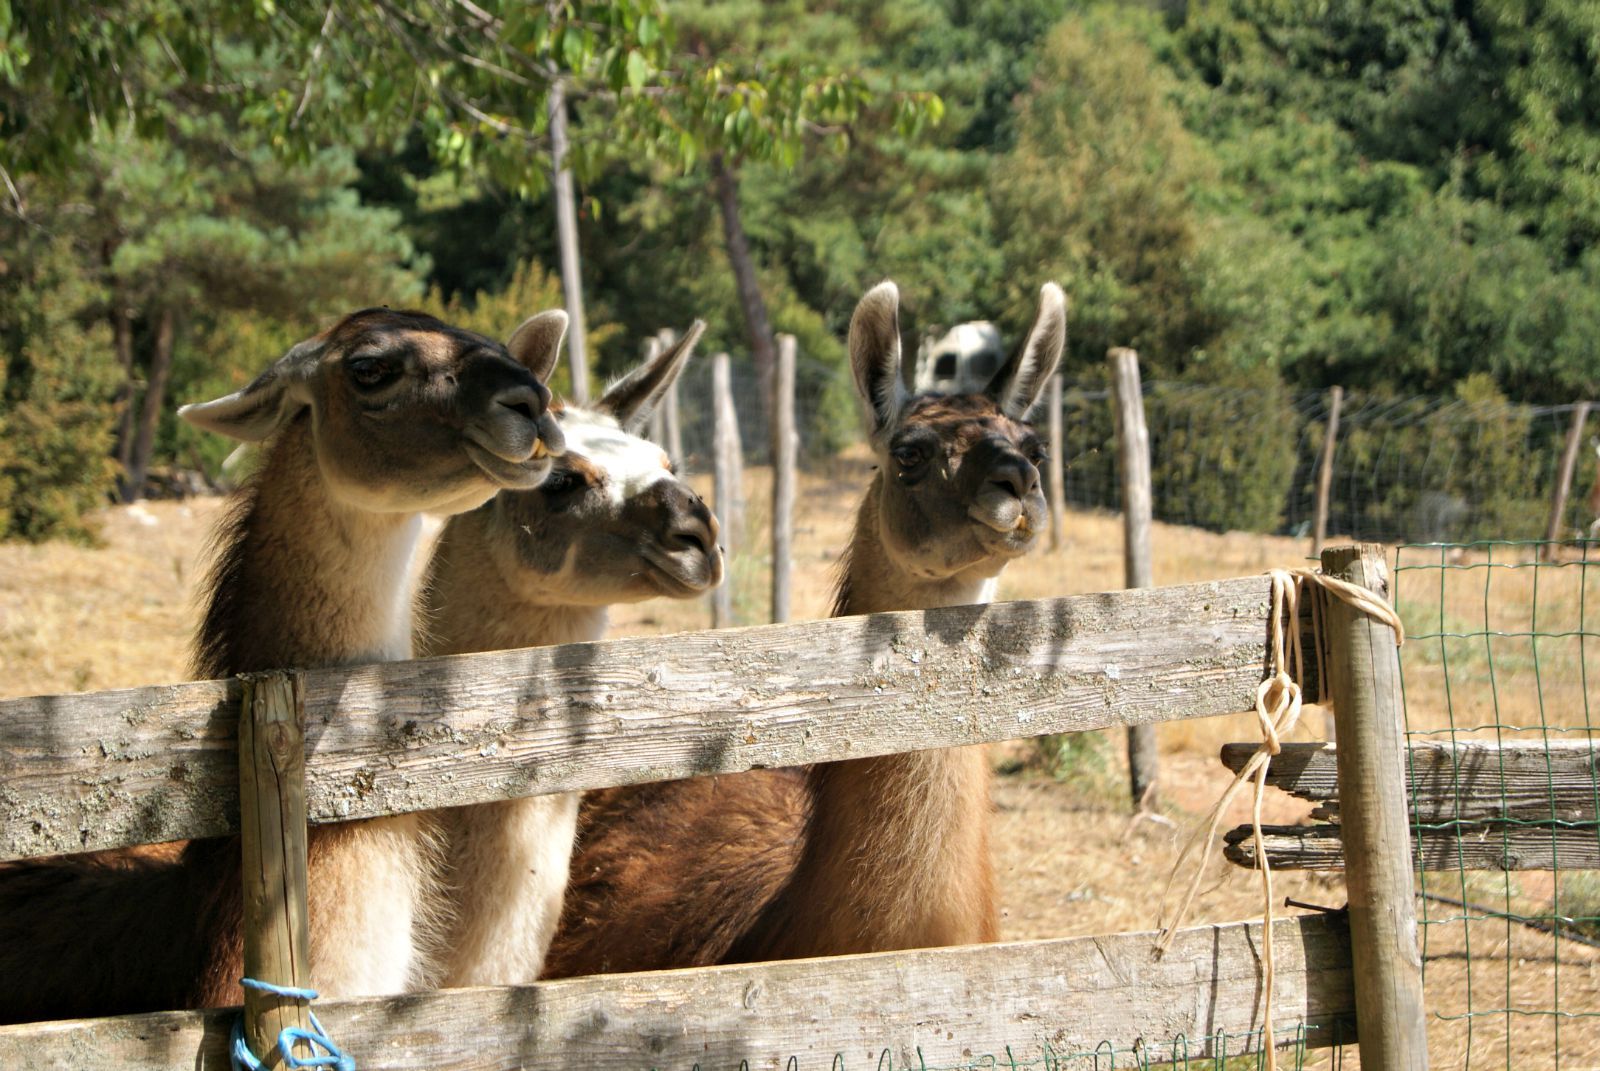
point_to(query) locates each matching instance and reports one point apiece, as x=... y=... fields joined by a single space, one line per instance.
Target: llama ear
x=875 y=352
x=1017 y=385
x=536 y=343
x=270 y=401
x=632 y=398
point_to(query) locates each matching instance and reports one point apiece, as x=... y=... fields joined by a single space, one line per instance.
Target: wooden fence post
x=728 y=468
x=1569 y=462
x=1330 y=436
x=1363 y=669
x=1133 y=462
x=656 y=426
x=1057 y=484
x=272 y=815
x=783 y=476
x=672 y=432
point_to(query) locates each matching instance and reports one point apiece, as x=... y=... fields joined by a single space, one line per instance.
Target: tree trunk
x=763 y=350
x=567 y=240
x=155 y=398
x=127 y=395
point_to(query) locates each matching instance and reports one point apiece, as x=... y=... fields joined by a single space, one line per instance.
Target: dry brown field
x=1071 y=860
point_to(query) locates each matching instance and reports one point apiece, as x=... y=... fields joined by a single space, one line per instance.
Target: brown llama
x=612 y=523
x=365 y=426
x=859 y=855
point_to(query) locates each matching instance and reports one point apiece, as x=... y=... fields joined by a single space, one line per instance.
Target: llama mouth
x=1013 y=521
x=681 y=574
x=514 y=475
x=1007 y=532
x=502 y=453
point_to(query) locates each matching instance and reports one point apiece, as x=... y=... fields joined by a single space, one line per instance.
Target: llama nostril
x=524 y=401
x=689 y=539
x=1020 y=480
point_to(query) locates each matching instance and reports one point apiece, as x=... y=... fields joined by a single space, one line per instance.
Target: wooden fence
x=144 y=765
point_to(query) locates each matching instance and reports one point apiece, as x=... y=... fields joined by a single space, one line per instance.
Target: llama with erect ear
x=612 y=523
x=861 y=855
x=366 y=426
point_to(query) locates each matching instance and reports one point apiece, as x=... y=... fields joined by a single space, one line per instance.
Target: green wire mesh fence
x=1499 y=636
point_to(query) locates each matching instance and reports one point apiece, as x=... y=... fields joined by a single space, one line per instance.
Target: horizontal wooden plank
x=1469 y=780
x=1484 y=846
x=145 y=765
x=950 y=1007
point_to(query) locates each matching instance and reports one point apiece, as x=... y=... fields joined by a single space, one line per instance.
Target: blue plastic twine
x=331 y=1055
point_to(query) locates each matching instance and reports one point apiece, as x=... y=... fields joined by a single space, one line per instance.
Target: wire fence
x=1498 y=637
x=1414 y=469
x=1408 y=469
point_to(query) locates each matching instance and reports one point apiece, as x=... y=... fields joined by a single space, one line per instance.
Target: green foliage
x=1473 y=469
x=1579 y=900
x=1400 y=169
x=1222 y=453
x=472 y=81
x=497 y=313
x=1224 y=457
x=1396 y=198
x=1086 y=761
x=57 y=375
x=1098 y=195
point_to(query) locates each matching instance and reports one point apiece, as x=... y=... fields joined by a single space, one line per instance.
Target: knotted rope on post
x=1278 y=704
x=317 y=1037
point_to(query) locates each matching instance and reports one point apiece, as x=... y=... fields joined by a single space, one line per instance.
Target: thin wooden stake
x=656 y=429
x=1056 y=484
x=672 y=433
x=783 y=476
x=272 y=807
x=1133 y=457
x=1330 y=436
x=1569 y=463
x=728 y=474
x=1363 y=667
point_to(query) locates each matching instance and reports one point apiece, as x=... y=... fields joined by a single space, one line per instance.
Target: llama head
x=613 y=522
x=959 y=489
x=407 y=413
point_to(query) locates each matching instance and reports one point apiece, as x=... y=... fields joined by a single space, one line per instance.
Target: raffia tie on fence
x=1278 y=704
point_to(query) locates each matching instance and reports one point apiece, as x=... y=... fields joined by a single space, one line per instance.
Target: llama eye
x=560 y=483
x=1038 y=455
x=908 y=457
x=368 y=372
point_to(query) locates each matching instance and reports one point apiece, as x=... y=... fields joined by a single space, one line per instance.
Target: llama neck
x=470 y=605
x=871 y=582
x=897 y=847
x=301 y=579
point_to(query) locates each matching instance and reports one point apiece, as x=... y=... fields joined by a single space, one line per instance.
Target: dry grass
x=73 y=618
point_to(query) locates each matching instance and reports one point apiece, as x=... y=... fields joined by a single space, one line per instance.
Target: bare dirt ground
x=1070 y=860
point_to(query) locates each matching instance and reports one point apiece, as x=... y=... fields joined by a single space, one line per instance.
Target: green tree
x=57 y=377
x=184 y=230
x=1100 y=194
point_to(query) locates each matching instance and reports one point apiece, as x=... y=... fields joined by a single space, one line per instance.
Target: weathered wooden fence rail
x=1475 y=805
x=146 y=765
x=1467 y=781
x=950 y=1005
x=1473 y=846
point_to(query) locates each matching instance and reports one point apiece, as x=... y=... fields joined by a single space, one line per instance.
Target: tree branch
x=311 y=67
